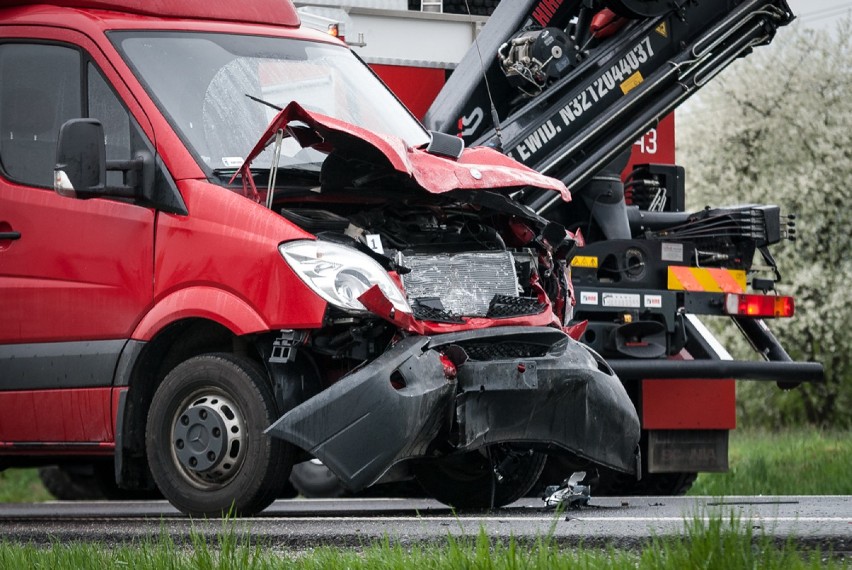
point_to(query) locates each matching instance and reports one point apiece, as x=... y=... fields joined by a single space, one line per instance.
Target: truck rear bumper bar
x=716 y=364
x=784 y=372
x=395 y=407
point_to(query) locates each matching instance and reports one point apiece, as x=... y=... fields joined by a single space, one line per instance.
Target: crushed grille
x=503 y=350
x=503 y=306
x=425 y=312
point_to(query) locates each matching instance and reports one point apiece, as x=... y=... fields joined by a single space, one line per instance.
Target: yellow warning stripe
x=707 y=280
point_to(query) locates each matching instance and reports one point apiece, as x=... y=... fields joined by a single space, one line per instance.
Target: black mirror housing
x=80 y=159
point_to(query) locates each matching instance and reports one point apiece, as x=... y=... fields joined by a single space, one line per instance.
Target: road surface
x=300 y=524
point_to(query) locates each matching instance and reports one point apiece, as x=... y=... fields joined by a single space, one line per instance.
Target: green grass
x=789 y=462
x=22 y=486
x=716 y=544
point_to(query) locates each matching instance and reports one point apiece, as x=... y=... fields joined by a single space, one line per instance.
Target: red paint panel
x=201 y=302
x=689 y=404
x=222 y=262
x=81 y=415
x=478 y=168
x=275 y=12
x=657 y=146
x=416 y=87
x=81 y=270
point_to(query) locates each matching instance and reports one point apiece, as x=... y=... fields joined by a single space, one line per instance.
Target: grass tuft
x=790 y=462
x=718 y=543
x=22 y=486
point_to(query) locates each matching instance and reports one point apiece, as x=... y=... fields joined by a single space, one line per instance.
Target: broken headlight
x=340 y=274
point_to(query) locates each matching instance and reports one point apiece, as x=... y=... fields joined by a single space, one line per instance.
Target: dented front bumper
x=553 y=393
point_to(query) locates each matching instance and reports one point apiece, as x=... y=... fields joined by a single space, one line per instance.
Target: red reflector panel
x=450 y=370
x=766 y=306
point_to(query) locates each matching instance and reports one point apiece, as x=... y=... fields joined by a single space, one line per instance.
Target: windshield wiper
x=305 y=168
x=262 y=102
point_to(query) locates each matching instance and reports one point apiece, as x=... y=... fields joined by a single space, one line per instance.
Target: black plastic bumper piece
x=568 y=399
x=393 y=408
x=362 y=425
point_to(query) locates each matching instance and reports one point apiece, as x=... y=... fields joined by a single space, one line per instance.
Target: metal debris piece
x=570 y=494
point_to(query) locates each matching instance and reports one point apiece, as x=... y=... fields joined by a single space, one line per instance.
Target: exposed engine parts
x=534 y=57
x=453 y=262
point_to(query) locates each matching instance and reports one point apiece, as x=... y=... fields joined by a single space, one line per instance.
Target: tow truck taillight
x=759 y=305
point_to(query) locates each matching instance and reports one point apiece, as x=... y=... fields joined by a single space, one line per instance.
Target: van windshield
x=200 y=82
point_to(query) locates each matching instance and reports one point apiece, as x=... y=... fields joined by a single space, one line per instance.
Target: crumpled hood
x=477 y=168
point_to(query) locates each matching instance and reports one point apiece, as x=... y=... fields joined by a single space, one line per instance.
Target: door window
x=39 y=90
x=105 y=106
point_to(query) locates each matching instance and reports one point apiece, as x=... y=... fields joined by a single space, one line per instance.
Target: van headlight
x=340 y=274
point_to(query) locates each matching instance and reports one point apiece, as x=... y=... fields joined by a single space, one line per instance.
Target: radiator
x=465 y=283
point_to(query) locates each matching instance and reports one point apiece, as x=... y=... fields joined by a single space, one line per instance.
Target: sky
x=820 y=14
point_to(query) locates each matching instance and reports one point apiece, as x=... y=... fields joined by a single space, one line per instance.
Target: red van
x=225 y=246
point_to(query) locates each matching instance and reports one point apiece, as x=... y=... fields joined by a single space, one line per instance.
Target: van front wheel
x=205 y=442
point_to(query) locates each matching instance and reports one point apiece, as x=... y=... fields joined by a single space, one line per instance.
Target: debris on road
x=571 y=494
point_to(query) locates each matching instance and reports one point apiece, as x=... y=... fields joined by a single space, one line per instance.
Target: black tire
x=70 y=485
x=468 y=481
x=89 y=482
x=205 y=442
x=314 y=480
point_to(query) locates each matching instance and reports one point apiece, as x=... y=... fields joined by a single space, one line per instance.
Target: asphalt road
x=301 y=524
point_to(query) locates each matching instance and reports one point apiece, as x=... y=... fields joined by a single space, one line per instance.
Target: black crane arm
x=602 y=93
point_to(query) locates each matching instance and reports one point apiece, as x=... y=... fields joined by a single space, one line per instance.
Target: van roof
x=272 y=12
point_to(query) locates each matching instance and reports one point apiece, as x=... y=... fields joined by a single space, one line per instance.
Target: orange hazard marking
x=729 y=280
x=706 y=280
x=681 y=279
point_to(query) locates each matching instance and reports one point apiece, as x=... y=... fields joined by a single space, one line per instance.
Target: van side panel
x=56 y=418
x=201 y=302
x=229 y=243
x=81 y=270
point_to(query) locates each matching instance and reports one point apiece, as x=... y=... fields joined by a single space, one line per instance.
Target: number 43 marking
x=648 y=143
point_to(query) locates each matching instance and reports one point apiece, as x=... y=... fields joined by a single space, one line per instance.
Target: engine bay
x=453 y=263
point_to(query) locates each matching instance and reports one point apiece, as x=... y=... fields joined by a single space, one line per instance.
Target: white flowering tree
x=777 y=128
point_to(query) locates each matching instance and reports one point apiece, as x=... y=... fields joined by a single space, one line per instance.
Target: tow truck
x=567 y=88
x=585 y=91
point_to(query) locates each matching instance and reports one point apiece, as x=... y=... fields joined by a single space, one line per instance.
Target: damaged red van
x=225 y=247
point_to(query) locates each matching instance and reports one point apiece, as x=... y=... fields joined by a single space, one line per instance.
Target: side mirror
x=445 y=145
x=80 y=159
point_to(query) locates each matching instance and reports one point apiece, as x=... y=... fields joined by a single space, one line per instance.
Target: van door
x=75 y=275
